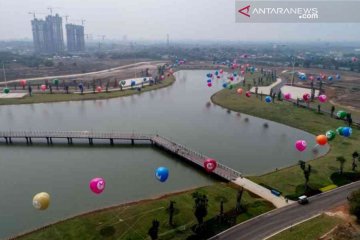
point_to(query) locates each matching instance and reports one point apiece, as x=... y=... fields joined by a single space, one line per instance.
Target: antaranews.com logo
x=297 y=11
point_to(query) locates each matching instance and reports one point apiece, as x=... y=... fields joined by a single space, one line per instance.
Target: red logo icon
x=245 y=11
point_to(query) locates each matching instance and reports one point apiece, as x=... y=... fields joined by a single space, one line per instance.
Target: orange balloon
x=240 y=91
x=321 y=140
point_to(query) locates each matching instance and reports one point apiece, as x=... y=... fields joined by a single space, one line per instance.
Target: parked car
x=303 y=200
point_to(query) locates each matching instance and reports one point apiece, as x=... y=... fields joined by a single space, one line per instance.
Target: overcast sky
x=153 y=19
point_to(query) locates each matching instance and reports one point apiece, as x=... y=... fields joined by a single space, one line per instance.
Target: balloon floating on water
x=97 y=185
x=268 y=99
x=41 y=201
x=321 y=140
x=162 y=174
x=330 y=135
x=322 y=98
x=301 y=145
x=210 y=165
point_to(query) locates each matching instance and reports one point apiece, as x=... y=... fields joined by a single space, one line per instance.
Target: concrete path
x=262 y=192
x=266 y=90
x=13 y=95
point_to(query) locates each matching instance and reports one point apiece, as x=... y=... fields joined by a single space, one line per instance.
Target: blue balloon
x=144 y=79
x=338 y=77
x=216 y=73
x=224 y=85
x=133 y=83
x=318 y=78
x=268 y=99
x=235 y=74
x=209 y=80
x=162 y=174
x=346 y=131
x=330 y=78
x=208 y=75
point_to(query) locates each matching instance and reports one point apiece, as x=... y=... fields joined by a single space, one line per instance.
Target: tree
x=355 y=155
x=154 y=230
x=332 y=111
x=354 y=202
x=200 y=207
x=302 y=165
x=307 y=173
x=171 y=212
x=342 y=161
x=238 y=199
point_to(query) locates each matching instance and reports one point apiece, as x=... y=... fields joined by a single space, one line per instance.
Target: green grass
x=290 y=180
x=62 y=97
x=309 y=230
x=133 y=221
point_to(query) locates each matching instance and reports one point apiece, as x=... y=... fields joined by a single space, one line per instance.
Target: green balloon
x=6 y=90
x=231 y=86
x=340 y=131
x=331 y=134
x=341 y=114
x=123 y=82
x=55 y=81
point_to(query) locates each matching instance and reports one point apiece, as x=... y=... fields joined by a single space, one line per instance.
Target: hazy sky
x=153 y=19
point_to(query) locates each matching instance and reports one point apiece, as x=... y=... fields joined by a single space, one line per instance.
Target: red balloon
x=99 y=89
x=248 y=94
x=306 y=97
x=43 y=88
x=210 y=165
x=23 y=83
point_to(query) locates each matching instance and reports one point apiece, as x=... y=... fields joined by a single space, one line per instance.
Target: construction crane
x=34 y=14
x=102 y=37
x=66 y=18
x=80 y=20
x=51 y=9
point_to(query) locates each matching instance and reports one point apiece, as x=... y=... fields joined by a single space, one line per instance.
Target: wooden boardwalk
x=161 y=142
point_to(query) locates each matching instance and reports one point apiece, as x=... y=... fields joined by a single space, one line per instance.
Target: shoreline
x=86 y=97
x=99 y=210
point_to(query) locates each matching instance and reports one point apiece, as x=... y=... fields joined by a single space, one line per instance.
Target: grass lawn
x=309 y=230
x=290 y=180
x=62 y=97
x=133 y=221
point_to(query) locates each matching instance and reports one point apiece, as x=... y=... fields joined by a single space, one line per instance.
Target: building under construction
x=48 y=34
x=75 y=38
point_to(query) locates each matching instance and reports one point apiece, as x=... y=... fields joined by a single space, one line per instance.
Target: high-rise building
x=48 y=34
x=75 y=38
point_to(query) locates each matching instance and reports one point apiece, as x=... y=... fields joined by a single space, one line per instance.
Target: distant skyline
x=153 y=19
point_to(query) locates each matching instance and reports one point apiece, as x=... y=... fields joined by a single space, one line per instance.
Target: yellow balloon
x=41 y=201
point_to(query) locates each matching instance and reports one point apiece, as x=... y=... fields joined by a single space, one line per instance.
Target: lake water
x=181 y=112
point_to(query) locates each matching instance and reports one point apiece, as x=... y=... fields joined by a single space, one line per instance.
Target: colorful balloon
x=23 y=83
x=287 y=96
x=99 y=89
x=209 y=80
x=341 y=114
x=330 y=135
x=6 y=90
x=330 y=78
x=301 y=145
x=133 y=83
x=338 y=77
x=41 y=201
x=306 y=97
x=268 y=99
x=43 y=88
x=231 y=86
x=97 y=185
x=55 y=81
x=209 y=84
x=322 y=98
x=346 y=131
x=162 y=174
x=339 y=130
x=210 y=165
x=354 y=59
x=248 y=94
x=224 y=85
x=239 y=91
x=321 y=140
x=311 y=78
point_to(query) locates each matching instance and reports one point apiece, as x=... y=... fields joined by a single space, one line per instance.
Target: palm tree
x=154 y=230
x=200 y=207
x=342 y=161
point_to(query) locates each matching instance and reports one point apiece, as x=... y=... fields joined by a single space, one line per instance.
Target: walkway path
x=266 y=90
x=262 y=192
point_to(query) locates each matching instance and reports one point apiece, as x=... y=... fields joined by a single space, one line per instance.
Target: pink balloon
x=99 y=89
x=306 y=97
x=43 y=87
x=301 y=145
x=322 y=98
x=287 y=96
x=209 y=84
x=248 y=94
x=221 y=71
x=97 y=185
x=23 y=83
x=210 y=165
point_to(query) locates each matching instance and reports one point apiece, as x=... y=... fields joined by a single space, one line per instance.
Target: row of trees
x=200 y=210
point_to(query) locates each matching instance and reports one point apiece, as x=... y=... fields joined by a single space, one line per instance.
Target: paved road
x=274 y=221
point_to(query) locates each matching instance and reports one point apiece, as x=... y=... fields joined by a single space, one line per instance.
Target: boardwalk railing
x=162 y=142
